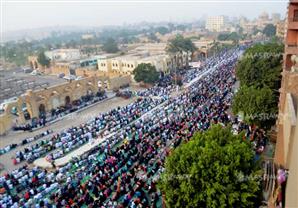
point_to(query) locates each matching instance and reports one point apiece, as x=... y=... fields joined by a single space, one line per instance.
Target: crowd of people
x=123 y=170
x=25 y=141
x=254 y=134
x=71 y=138
x=60 y=111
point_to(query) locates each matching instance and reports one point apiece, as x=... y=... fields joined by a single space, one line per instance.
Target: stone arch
x=42 y=110
x=54 y=99
x=67 y=100
x=106 y=84
x=25 y=111
x=55 y=102
x=92 y=87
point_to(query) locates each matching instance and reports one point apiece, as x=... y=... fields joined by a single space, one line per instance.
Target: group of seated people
x=29 y=127
x=74 y=137
x=124 y=169
x=25 y=141
x=61 y=111
x=77 y=104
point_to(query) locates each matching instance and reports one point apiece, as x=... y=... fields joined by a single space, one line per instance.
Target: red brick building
x=286 y=152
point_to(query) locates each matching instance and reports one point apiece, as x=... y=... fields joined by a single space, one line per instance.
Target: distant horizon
x=45 y=14
x=121 y=25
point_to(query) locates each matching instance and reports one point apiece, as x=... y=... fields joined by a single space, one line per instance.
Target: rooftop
x=15 y=82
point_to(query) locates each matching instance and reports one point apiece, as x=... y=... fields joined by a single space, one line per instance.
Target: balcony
x=293 y=23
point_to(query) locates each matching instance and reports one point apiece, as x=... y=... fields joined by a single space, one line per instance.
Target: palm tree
x=179 y=44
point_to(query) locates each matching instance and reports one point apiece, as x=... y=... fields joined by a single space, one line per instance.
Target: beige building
x=280 y=29
x=263 y=20
x=44 y=100
x=275 y=17
x=216 y=23
x=153 y=53
x=126 y=64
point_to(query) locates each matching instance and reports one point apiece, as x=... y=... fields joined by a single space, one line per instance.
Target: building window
x=131 y=66
x=295 y=15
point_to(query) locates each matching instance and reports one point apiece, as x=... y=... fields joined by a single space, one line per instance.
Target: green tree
x=229 y=36
x=181 y=27
x=269 y=30
x=145 y=73
x=257 y=105
x=110 y=46
x=42 y=59
x=261 y=66
x=180 y=44
x=214 y=169
x=162 y=30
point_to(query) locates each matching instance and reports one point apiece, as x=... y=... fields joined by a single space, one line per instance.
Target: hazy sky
x=22 y=14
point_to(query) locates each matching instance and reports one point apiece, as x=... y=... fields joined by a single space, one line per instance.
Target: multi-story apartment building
x=153 y=53
x=285 y=192
x=216 y=23
x=275 y=17
x=263 y=20
x=126 y=64
x=280 y=29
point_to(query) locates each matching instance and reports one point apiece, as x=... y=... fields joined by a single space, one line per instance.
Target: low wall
x=5 y=123
x=55 y=70
x=55 y=96
x=117 y=82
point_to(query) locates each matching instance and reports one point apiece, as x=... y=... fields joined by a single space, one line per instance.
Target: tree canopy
x=43 y=60
x=110 y=46
x=229 y=36
x=257 y=105
x=261 y=66
x=145 y=73
x=214 y=169
x=162 y=30
x=269 y=30
x=259 y=72
x=180 y=44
